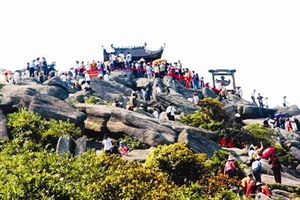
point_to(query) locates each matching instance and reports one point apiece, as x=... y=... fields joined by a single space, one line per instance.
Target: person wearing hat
x=123 y=149
x=230 y=169
x=257 y=168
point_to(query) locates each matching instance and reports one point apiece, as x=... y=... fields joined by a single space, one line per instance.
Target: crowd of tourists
x=252 y=184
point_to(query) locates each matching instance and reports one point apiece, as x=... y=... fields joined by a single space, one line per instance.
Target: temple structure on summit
x=222 y=73
x=137 y=52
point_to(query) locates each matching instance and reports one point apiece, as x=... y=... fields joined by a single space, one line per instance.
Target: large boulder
x=108 y=90
x=15 y=91
x=139 y=126
x=289 y=111
x=6 y=104
x=169 y=82
x=181 y=103
x=3 y=128
x=151 y=130
x=55 y=81
x=206 y=92
x=65 y=145
x=143 y=83
x=50 y=107
x=123 y=77
x=295 y=152
x=253 y=112
x=197 y=142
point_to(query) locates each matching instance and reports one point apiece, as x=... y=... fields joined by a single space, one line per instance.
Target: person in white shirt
x=285 y=103
x=158 y=90
x=128 y=60
x=37 y=64
x=260 y=195
x=87 y=77
x=122 y=56
x=87 y=66
x=149 y=71
x=253 y=97
x=107 y=145
x=266 y=102
x=171 y=112
x=239 y=92
x=16 y=77
x=63 y=77
x=155 y=113
x=195 y=98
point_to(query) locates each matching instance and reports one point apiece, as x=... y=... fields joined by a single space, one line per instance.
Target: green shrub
x=25 y=126
x=211 y=115
x=225 y=195
x=43 y=175
x=217 y=163
x=260 y=134
x=132 y=143
x=284 y=156
x=179 y=162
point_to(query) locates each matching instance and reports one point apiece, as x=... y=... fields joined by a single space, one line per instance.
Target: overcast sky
x=260 y=39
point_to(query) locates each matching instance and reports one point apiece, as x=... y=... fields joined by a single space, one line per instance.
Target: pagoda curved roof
x=137 y=52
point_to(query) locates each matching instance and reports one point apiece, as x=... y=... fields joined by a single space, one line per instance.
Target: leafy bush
x=211 y=115
x=284 y=156
x=132 y=143
x=43 y=175
x=260 y=134
x=179 y=162
x=25 y=126
x=217 y=163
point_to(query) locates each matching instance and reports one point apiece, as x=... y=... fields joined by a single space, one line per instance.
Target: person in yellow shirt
x=247 y=184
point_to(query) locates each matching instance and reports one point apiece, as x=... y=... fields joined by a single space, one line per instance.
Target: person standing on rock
x=257 y=169
x=260 y=100
x=285 y=103
x=276 y=167
x=253 y=97
x=171 y=112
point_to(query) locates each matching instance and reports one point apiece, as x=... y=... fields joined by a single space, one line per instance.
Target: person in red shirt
x=276 y=167
x=230 y=169
x=222 y=142
x=230 y=143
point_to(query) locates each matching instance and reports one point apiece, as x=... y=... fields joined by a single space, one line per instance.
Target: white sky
x=260 y=39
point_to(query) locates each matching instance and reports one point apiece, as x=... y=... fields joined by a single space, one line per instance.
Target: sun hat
x=257 y=158
x=230 y=157
x=258 y=183
x=237 y=115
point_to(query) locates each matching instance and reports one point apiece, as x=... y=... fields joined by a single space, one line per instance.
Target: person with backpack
x=257 y=169
x=230 y=169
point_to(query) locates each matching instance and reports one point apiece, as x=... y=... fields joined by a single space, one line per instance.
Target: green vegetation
x=212 y=116
x=30 y=129
x=30 y=169
x=132 y=143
